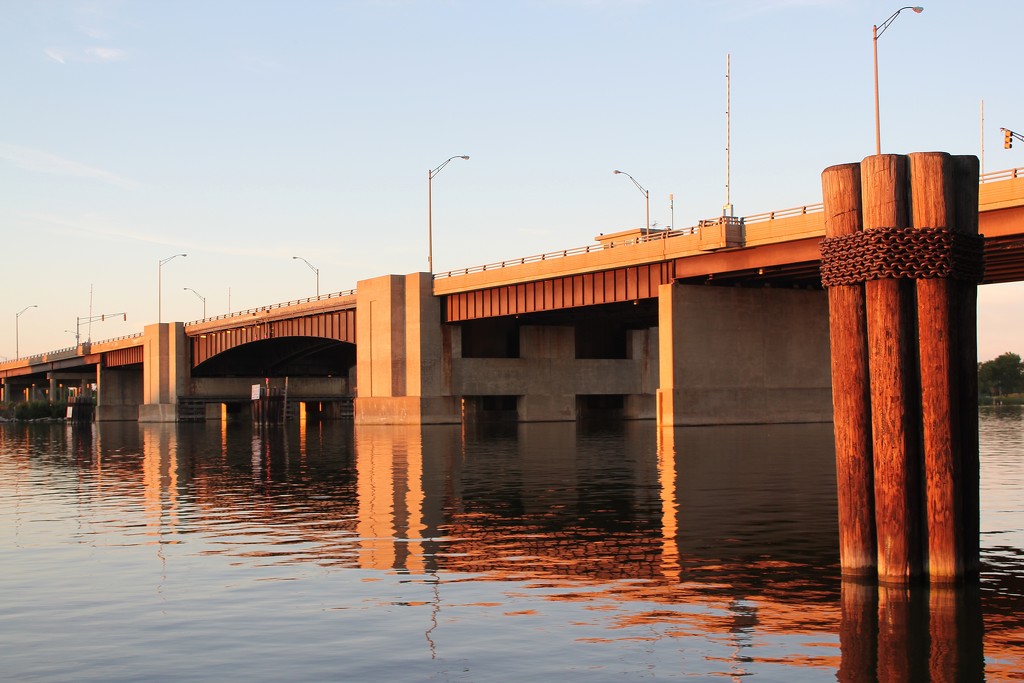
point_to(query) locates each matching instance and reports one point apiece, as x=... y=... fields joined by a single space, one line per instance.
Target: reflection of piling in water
x=902 y=259
x=269 y=408
x=900 y=633
x=80 y=409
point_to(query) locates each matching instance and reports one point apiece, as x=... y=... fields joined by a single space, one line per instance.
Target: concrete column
x=14 y=390
x=548 y=357
x=403 y=365
x=166 y=371
x=643 y=350
x=732 y=355
x=119 y=393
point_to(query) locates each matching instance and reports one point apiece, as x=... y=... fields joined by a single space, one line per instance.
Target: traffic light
x=1007 y=139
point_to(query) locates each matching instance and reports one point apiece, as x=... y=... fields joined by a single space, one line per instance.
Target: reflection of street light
x=201 y=297
x=17 y=353
x=430 y=208
x=647 y=197
x=875 y=32
x=160 y=287
x=315 y=270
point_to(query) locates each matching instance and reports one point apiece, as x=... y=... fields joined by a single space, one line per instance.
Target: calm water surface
x=543 y=552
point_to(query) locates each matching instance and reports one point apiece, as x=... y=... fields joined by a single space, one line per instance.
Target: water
x=542 y=552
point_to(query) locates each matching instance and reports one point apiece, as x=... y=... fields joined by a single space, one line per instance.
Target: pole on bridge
x=915 y=259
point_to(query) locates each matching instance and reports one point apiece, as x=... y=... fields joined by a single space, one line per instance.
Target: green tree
x=1001 y=375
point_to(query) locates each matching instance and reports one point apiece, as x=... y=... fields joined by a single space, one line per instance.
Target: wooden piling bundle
x=901 y=260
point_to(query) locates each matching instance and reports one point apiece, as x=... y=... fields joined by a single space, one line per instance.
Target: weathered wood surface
x=851 y=400
x=891 y=324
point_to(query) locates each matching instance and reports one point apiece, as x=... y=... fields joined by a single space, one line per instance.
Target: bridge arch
x=323 y=339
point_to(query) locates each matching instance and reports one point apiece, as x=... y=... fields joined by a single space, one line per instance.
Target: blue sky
x=247 y=132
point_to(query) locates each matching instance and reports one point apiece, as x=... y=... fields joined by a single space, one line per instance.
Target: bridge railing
x=590 y=248
x=70 y=349
x=270 y=307
x=1008 y=174
x=784 y=213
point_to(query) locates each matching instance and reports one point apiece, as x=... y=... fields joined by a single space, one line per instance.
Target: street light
x=201 y=298
x=315 y=270
x=160 y=286
x=430 y=208
x=647 y=196
x=17 y=352
x=876 y=31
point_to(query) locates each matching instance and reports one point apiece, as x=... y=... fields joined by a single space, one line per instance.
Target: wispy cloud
x=100 y=227
x=45 y=162
x=88 y=55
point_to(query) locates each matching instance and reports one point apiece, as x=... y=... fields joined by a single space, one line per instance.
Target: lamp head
x=616 y=172
x=917 y=10
x=465 y=156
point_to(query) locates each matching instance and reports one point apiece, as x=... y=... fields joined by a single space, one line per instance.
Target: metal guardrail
x=591 y=248
x=1008 y=174
x=270 y=307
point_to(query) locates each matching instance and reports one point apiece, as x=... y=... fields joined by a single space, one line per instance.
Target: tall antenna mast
x=727 y=208
x=983 y=135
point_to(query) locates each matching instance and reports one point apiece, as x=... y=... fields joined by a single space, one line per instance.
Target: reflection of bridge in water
x=656 y=539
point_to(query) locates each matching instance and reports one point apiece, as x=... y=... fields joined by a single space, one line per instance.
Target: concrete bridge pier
x=166 y=371
x=730 y=355
x=118 y=393
x=403 y=370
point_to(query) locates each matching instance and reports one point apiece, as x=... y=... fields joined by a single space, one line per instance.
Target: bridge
x=573 y=333
x=860 y=311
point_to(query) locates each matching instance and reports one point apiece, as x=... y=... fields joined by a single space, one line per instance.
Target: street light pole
x=201 y=298
x=647 y=197
x=17 y=351
x=160 y=286
x=430 y=208
x=877 y=31
x=315 y=270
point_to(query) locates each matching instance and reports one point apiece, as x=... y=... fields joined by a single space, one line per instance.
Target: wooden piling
x=966 y=342
x=891 y=322
x=851 y=401
x=914 y=249
x=932 y=187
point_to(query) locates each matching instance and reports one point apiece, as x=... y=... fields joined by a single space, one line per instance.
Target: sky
x=248 y=132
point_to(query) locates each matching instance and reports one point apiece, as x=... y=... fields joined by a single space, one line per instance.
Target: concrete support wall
x=240 y=388
x=731 y=355
x=547 y=377
x=119 y=393
x=166 y=371
x=402 y=368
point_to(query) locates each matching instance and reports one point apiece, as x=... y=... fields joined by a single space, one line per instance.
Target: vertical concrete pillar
x=554 y=350
x=730 y=355
x=166 y=371
x=403 y=363
x=119 y=393
x=643 y=349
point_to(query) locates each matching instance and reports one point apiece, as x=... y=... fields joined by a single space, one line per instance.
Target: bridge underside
x=282 y=357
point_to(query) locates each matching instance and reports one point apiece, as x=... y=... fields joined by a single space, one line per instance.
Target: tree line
x=1001 y=376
